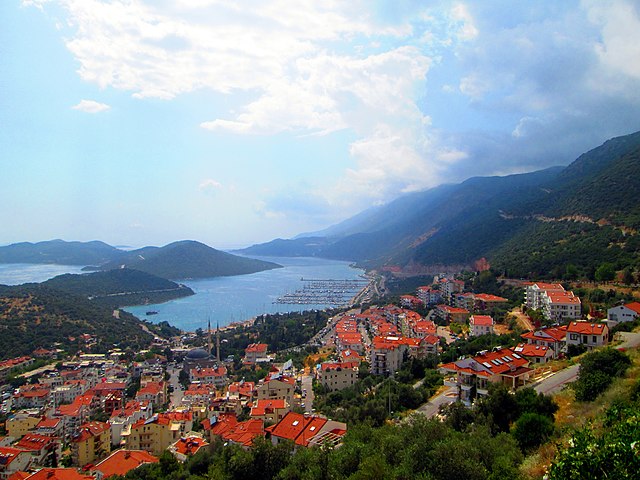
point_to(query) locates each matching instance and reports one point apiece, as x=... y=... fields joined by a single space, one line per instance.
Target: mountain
x=533 y=224
x=187 y=259
x=34 y=315
x=178 y=260
x=120 y=287
x=59 y=252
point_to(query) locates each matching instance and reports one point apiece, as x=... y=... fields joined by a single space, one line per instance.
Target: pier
x=331 y=292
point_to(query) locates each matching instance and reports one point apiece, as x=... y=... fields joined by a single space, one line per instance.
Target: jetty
x=333 y=292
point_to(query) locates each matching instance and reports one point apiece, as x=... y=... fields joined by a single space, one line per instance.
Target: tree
x=531 y=430
x=605 y=272
x=597 y=371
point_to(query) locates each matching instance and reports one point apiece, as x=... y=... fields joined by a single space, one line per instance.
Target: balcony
x=451 y=382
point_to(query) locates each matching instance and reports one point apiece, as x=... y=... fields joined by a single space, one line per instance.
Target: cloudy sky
x=141 y=122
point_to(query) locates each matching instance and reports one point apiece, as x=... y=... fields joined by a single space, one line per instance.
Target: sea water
x=19 y=273
x=223 y=300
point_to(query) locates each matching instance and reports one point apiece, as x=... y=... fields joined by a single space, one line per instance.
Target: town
x=95 y=415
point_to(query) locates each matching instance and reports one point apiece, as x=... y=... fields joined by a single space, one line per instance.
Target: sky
x=142 y=122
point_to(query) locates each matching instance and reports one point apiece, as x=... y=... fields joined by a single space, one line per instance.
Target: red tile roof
x=59 y=474
x=531 y=350
x=122 y=461
x=501 y=362
x=481 y=320
x=635 y=306
x=587 y=328
x=549 y=335
x=265 y=407
x=256 y=347
x=298 y=428
x=487 y=297
x=190 y=445
x=91 y=429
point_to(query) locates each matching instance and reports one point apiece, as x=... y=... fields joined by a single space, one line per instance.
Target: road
x=178 y=393
x=557 y=381
x=307 y=384
x=429 y=409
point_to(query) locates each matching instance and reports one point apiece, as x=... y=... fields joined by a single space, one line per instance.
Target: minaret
x=209 y=338
x=218 y=342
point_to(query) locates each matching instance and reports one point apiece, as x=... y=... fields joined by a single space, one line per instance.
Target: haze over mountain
x=178 y=260
x=573 y=215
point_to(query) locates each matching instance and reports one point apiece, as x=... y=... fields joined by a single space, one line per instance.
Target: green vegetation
x=120 y=287
x=597 y=371
x=188 y=259
x=33 y=316
x=60 y=252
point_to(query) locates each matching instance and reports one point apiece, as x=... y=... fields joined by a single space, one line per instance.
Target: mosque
x=199 y=358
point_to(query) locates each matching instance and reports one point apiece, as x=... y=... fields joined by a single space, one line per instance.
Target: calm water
x=19 y=273
x=221 y=299
x=233 y=299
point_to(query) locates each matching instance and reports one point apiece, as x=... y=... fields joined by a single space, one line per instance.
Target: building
x=428 y=295
x=270 y=410
x=13 y=460
x=19 y=424
x=216 y=376
x=589 y=335
x=92 y=442
x=552 y=337
x=58 y=474
x=533 y=293
x=155 y=434
x=554 y=301
x=187 y=446
x=121 y=462
x=154 y=393
x=255 y=353
x=480 y=325
x=452 y=314
x=484 y=302
x=227 y=428
x=198 y=358
x=277 y=387
x=387 y=355
x=623 y=313
x=472 y=376
x=338 y=375
x=307 y=430
x=534 y=353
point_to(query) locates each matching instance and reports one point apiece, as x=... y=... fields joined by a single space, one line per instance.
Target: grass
x=573 y=415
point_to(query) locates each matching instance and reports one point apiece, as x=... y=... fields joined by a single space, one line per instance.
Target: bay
x=19 y=273
x=224 y=300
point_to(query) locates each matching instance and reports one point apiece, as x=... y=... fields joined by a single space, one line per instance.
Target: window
x=595 y=339
x=573 y=336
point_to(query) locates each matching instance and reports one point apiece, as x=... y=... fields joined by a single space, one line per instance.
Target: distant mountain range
x=539 y=224
x=178 y=260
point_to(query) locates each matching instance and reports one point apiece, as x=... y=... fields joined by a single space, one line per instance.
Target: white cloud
x=91 y=106
x=209 y=185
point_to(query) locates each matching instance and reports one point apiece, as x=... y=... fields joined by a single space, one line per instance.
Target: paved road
x=307 y=384
x=430 y=408
x=557 y=381
x=178 y=393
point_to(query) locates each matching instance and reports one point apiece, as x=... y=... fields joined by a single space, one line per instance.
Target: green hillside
x=33 y=315
x=59 y=252
x=188 y=259
x=119 y=288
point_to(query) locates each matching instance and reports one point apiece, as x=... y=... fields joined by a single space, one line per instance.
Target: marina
x=333 y=292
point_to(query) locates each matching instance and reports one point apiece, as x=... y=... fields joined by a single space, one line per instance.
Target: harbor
x=333 y=292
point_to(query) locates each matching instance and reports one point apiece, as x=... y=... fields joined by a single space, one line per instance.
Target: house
x=121 y=462
x=270 y=410
x=216 y=376
x=623 y=313
x=553 y=300
x=552 y=337
x=92 y=442
x=20 y=423
x=155 y=434
x=121 y=420
x=472 y=376
x=350 y=356
x=13 y=460
x=484 y=302
x=480 y=325
x=36 y=397
x=410 y=301
x=534 y=353
x=338 y=375
x=588 y=334
x=452 y=314
x=428 y=295
x=227 y=428
x=387 y=354
x=199 y=395
x=58 y=474
x=255 y=353
x=187 y=446
x=307 y=430
x=277 y=386
x=423 y=328
x=51 y=427
x=463 y=300
x=153 y=392
x=42 y=447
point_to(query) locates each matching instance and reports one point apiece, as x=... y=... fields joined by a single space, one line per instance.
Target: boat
x=151 y=312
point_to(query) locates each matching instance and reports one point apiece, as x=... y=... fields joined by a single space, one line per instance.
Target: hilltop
x=33 y=316
x=533 y=224
x=188 y=259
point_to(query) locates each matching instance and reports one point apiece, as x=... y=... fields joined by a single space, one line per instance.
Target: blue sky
x=142 y=122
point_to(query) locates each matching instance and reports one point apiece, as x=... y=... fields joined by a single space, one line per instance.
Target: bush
x=597 y=371
x=531 y=430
